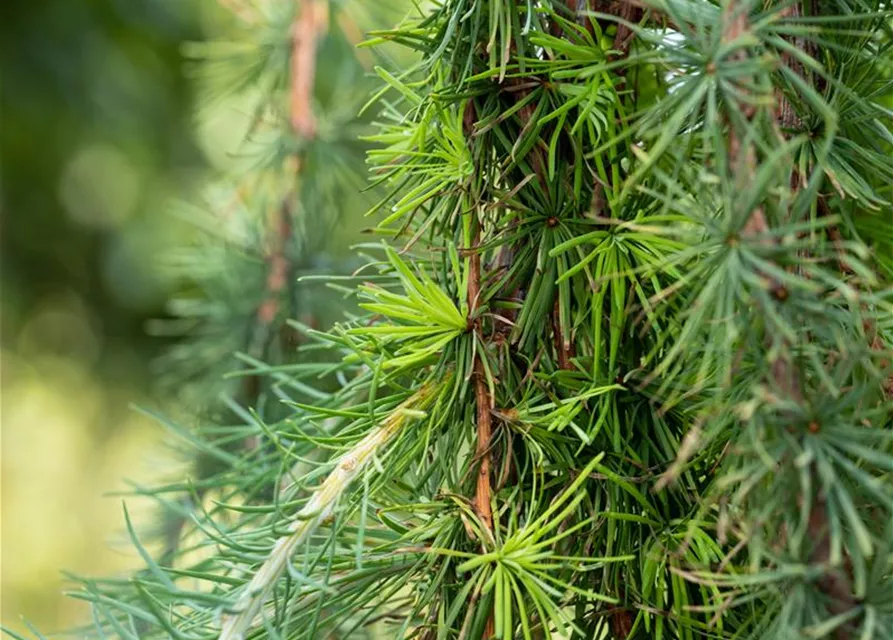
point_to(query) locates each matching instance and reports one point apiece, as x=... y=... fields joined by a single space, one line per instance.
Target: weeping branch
x=783 y=373
x=318 y=510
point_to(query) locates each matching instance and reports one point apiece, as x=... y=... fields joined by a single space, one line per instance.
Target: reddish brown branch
x=621 y=622
x=277 y=276
x=628 y=12
x=785 y=114
x=483 y=401
x=482 y=452
x=311 y=23
x=269 y=308
x=483 y=406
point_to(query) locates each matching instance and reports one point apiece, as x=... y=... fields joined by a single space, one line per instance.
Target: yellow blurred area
x=80 y=261
x=68 y=439
x=69 y=434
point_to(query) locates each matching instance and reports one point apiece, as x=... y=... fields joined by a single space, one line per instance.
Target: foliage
x=622 y=367
x=99 y=85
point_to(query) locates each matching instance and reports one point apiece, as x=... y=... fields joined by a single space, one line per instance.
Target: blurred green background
x=96 y=138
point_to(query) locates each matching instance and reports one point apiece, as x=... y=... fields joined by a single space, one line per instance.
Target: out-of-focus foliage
x=108 y=115
x=95 y=136
x=96 y=133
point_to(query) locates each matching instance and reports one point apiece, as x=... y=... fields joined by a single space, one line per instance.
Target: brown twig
x=482 y=452
x=483 y=407
x=311 y=23
x=277 y=276
x=482 y=398
x=785 y=114
x=483 y=401
x=628 y=12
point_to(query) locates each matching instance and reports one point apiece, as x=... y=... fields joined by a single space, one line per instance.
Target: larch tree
x=619 y=361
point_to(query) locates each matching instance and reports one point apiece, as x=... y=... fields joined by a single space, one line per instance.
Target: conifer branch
x=319 y=510
x=783 y=373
